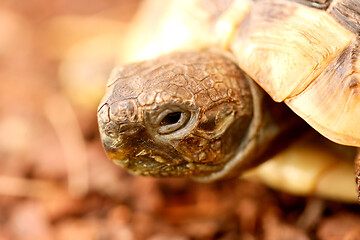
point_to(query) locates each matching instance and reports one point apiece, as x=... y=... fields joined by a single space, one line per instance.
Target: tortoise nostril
x=130 y=129
x=111 y=130
x=116 y=130
x=171 y=118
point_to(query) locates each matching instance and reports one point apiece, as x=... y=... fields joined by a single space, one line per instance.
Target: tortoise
x=206 y=101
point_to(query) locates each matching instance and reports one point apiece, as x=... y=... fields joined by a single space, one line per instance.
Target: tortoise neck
x=274 y=127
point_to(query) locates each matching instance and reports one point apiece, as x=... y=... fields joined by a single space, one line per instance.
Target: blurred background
x=55 y=180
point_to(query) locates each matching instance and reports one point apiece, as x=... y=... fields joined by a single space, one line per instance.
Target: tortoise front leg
x=314 y=166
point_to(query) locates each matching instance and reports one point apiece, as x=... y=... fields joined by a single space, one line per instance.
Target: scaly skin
x=190 y=114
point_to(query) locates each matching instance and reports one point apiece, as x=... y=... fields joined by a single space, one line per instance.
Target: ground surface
x=55 y=181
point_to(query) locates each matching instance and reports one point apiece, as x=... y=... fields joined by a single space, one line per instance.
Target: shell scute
x=331 y=103
x=284 y=50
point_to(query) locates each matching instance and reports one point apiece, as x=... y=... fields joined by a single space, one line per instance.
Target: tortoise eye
x=172 y=121
x=171 y=118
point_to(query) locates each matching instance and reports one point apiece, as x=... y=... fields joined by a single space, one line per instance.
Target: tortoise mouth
x=160 y=164
x=148 y=166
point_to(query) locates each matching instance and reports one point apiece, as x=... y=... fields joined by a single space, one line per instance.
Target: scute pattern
x=331 y=103
x=284 y=45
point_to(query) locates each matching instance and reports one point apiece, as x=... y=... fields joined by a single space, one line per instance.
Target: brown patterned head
x=183 y=114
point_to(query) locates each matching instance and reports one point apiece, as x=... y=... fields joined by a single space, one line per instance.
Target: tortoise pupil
x=171 y=118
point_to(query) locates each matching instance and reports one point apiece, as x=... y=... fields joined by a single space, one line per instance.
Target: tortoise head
x=184 y=114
